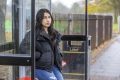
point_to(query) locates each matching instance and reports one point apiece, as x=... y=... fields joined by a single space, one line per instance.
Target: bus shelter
x=17 y=17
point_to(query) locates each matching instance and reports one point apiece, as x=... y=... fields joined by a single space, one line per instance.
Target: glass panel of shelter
x=16 y=23
x=71 y=21
x=74 y=59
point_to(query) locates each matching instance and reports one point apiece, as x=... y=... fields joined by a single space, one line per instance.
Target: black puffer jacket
x=46 y=54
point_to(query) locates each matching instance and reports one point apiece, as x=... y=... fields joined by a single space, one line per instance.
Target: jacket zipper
x=52 y=53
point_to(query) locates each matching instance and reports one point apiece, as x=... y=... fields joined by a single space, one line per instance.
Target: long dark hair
x=39 y=18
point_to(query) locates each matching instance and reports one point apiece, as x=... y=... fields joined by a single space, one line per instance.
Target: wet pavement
x=107 y=66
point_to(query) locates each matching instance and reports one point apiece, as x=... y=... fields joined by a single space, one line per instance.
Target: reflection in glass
x=15 y=18
x=70 y=24
x=42 y=4
x=2 y=21
x=74 y=59
x=68 y=6
x=8 y=21
x=7 y=73
x=69 y=16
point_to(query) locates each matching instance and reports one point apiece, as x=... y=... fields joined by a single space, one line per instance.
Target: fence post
x=70 y=27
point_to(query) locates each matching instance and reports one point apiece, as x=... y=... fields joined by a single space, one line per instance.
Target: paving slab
x=107 y=66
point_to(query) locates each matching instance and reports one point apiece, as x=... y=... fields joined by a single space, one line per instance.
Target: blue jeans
x=45 y=75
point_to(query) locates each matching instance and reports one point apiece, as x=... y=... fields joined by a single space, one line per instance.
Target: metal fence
x=100 y=29
x=99 y=26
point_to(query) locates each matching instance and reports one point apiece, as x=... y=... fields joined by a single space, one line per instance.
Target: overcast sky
x=67 y=3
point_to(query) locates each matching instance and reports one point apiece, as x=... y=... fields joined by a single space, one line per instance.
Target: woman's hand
x=63 y=63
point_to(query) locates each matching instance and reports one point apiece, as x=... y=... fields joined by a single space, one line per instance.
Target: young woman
x=47 y=52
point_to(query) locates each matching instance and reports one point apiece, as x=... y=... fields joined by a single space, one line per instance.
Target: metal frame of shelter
x=29 y=60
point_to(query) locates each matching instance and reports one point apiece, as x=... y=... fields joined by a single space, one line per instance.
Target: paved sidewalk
x=107 y=66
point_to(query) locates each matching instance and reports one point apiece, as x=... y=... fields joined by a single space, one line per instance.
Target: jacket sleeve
x=25 y=46
x=58 y=40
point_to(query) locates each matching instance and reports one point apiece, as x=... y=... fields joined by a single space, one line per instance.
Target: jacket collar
x=44 y=34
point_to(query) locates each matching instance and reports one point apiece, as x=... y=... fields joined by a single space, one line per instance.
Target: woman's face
x=46 y=22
